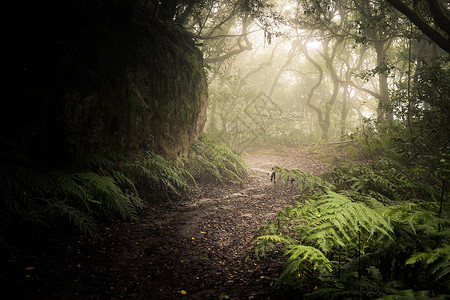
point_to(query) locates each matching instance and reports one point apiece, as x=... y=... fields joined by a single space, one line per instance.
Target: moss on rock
x=127 y=83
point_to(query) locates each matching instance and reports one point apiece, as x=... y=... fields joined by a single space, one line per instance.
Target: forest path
x=192 y=250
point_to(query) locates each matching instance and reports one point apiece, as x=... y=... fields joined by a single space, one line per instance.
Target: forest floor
x=190 y=249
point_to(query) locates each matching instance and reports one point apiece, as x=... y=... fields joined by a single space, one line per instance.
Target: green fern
x=414 y=295
x=209 y=160
x=84 y=222
x=305 y=181
x=353 y=286
x=89 y=189
x=109 y=197
x=156 y=170
x=276 y=239
x=348 y=216
x=438 y=258
x=311 y=232
x=420 y=217
x=300 y=254
x=358 y=216
x=387 y=180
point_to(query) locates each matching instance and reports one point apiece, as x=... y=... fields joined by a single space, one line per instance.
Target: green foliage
x=439 y=258
x=411 y=295
x=424 y=111
x=373 y=145
x=305 y=181
x=311 y=231
x=217 y=162
x=150 y=169
x=362 y=231
x=352 y=152
x=92 y=188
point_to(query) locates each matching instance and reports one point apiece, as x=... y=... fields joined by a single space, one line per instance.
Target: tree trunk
x=345 y=110
x=384 y=110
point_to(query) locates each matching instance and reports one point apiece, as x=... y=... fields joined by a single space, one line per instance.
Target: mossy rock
x=128 y=83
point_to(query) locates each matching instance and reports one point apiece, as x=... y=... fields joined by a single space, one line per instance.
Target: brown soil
x=192 y=249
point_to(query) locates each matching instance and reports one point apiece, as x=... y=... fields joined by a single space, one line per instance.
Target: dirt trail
x=191 y=250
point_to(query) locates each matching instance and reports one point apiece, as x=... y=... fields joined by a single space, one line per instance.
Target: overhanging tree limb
x=245 y=24
x=234 y=11
x=439 y=16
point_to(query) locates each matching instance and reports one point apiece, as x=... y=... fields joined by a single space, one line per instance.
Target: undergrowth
x=36 y=201
x=216 y=162
x=93 y=188
x=362 y=231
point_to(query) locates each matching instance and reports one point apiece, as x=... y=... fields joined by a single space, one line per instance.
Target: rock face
x=127 y=84
x=162 y=107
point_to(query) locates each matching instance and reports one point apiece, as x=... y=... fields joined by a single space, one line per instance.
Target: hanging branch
x=248 y=45
x=440 y=17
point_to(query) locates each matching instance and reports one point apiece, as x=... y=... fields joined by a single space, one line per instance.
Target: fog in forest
x=231 y=149
x=296 y=72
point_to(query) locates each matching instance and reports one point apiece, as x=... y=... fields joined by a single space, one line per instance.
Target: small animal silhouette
x=273 y=175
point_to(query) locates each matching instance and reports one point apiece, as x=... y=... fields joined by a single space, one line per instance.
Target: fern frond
x=126 y=205
x=159 y=171
x=215 y=161
x=416 y=217
x=84 y=222
x=367 y=213
x=123 y=180
x=304 y=180
x=301 y=253
x=336 y=211
x=440 y=257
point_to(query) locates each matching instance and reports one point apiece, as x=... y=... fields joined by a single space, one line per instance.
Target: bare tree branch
x=234 y=11
x=281 y=70
x=266 y=63
x=316 y=85
x=245 y=24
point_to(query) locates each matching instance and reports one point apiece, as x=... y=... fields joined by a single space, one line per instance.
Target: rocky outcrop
x=131 y=84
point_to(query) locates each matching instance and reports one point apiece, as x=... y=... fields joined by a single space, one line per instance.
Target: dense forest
x=117 y=108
